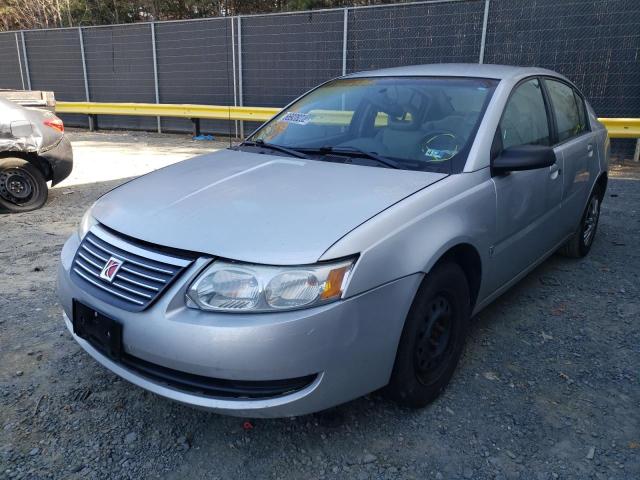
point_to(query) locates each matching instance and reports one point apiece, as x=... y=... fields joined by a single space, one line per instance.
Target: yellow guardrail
x=343 y=117
x=617 y=127
x=213 y=112
x=622 y=127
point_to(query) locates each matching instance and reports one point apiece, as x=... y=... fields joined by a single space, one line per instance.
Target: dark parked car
x=33 y=151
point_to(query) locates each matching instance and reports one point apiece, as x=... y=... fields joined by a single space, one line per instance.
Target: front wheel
x=22 y=186
x=433 y=337
x=580 y=243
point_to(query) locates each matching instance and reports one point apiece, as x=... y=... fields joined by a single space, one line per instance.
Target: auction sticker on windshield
x=296 y=117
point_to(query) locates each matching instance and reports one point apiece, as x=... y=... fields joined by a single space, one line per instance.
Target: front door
x=528 y=202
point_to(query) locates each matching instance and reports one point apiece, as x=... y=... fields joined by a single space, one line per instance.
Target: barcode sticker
x=296 y=117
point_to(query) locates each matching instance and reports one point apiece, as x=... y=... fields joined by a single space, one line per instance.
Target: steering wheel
x=440 y=146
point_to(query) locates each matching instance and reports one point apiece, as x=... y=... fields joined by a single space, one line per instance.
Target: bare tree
x=28 y=14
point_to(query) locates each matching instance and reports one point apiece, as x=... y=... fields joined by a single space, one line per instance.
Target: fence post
x=19 y=60
x=345 y=22
x=92 y=124
x=241 y=100
x=233 y=70
x=26 y=60
x=483 y=39
x=155 y=70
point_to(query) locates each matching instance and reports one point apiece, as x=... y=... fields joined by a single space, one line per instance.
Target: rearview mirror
x=523 y=157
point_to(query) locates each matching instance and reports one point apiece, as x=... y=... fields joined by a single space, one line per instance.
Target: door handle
x=590 y=150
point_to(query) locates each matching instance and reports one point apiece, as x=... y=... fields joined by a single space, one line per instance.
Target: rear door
x=574 y=143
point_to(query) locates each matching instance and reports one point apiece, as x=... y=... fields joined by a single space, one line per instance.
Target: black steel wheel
x=590 y=223
x=433 y=346
x=433 y=337
x=23 y=187
x=580 y=243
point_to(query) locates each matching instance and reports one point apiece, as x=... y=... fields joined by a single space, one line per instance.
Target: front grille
x=215 y=387
x=142 y=277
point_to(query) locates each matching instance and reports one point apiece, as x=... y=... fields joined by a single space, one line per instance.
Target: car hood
x=254 y=207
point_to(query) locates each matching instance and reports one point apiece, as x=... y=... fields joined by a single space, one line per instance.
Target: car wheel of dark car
x=23 y=187
x=433 y=337
x=580 y=243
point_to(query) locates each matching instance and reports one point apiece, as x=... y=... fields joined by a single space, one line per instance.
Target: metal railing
x=210 y=112
x=193 y=112
x=617 y=127
x=622 y=127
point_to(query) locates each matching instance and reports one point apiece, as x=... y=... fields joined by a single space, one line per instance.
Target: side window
x=524 y=121
x=570 y=118
x=582 y=112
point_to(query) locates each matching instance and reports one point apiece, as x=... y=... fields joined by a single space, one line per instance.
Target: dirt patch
x=110 y=155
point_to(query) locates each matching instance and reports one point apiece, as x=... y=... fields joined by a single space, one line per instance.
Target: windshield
x=421 y=123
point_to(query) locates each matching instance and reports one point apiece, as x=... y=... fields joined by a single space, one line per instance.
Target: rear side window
x=524 y=121
x=582 y=111
x=568 y=110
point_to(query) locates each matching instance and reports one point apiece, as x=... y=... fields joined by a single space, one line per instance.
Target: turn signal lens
x=334 y=282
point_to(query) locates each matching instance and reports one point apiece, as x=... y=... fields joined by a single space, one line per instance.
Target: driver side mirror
x=523 y=157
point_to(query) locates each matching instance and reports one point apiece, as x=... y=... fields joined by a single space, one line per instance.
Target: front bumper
x=349 y=345
x=60 y=159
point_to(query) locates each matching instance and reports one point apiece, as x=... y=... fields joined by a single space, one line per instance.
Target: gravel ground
x=548 y=386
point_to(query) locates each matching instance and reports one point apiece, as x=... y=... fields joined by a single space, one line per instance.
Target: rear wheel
x=22 y=186
x=433 y=337
x=580 y=243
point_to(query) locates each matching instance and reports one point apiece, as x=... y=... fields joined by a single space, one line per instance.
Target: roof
x=498 y=72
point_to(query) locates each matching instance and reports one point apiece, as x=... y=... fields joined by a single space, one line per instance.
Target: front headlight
x=238 y=287
x=86 y=223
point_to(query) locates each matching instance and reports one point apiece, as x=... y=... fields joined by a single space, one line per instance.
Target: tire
x=580 y=243
x=433 y=337
x=23 y=186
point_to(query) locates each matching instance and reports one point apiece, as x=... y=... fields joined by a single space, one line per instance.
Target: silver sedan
x=344 y=246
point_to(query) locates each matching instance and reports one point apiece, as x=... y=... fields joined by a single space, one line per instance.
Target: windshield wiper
x=302 y=152
x=272 y=146
x=355 y=152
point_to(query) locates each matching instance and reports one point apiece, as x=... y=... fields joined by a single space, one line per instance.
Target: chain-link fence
x=596 y=44
x=268 y=60
x=195 y=65
x=11 y=73
x=443 y=32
